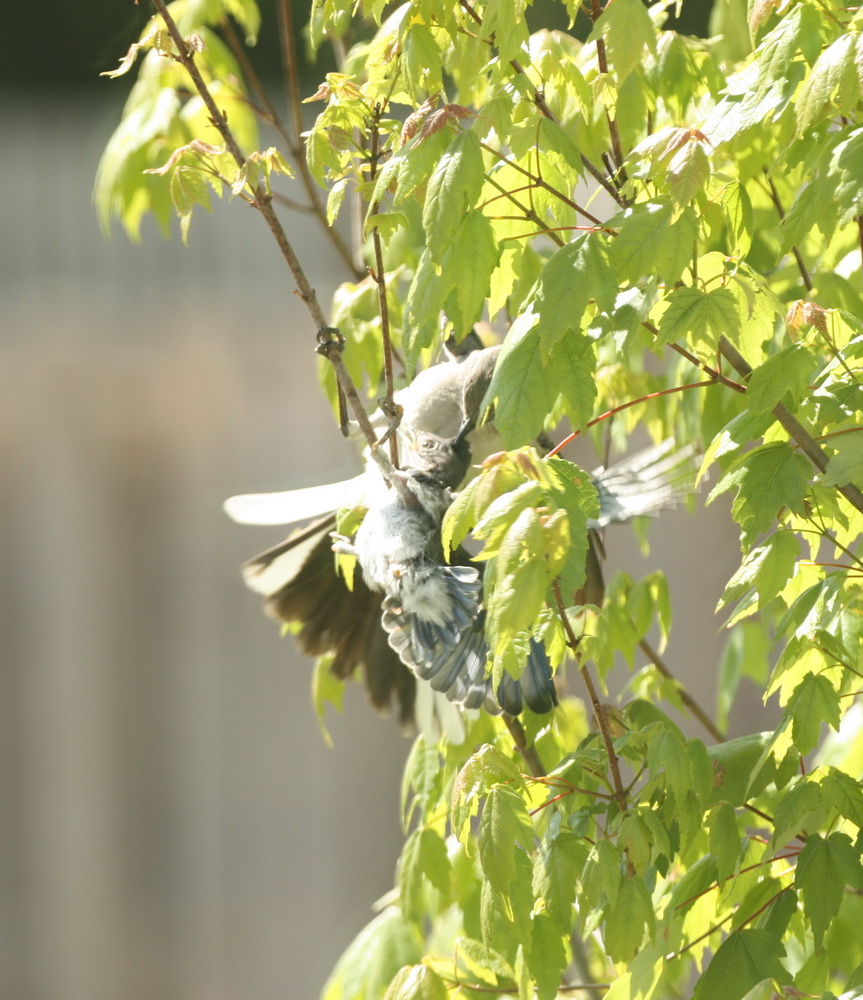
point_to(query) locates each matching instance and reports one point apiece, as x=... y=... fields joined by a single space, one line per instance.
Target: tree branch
x=544 y=184
x=528 y=753
x=620 y=176
x=261 y=200
x=685 y=696
x=379 y=276
x=780 y=211
x=294 y=143
x=598 y=711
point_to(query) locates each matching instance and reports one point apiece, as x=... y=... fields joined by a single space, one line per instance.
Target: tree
x=607 y=852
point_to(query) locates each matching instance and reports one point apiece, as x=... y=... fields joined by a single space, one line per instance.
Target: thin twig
x=620 y=176
x=379 y=277
x=528 y=212
x=714 y=373
x=528 y=753
x=330 y=341
x=598 y=711
x=541 y=103
x=261 y=200
x=625 y=406
x=548 y=187
x=780 y=211
x=330 y=346
x=685 y=696
x=266 y=110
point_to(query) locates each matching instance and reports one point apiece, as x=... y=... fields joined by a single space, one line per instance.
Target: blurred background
x=174 y=825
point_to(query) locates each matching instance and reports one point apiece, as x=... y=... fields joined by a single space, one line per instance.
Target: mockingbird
x=386 y=622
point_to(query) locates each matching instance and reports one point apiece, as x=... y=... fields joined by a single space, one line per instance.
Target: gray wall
x=174 y=826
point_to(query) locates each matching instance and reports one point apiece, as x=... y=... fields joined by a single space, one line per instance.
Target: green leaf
x=485 y=964
x=799 y=811
x=843 y=793
x=423 y=856
x=523 y=388
x=724 y=840
x=814 y=205
x=699 y=318
x=780 y=46
x=767 y=569
x=844 y=173
x=846 y=465
x=425 y=301
x=371 y=961
x=573 y=360
x=785 y=373
x=815 y=700
x=742 y=960
x=650 y=243
x=556 y=868
x=688 y=171
x=422 y=776
x=546 y=956
x=628 y=920
x=453 y=188
x=627 y=30
x=634 y=837
x=767 y=478
x=416 y=982
x=576 y=274
x=824 y=867
x=737 y=206
x=504 y=825
x=832 y=85
x=505 y=21
x=733 y=764
x=485 y=768
x=667 y=757
x=421 y=58
x=471 y=257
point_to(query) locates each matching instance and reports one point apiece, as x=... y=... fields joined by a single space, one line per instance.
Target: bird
x=442 y=400
x=432 y=612
x=364 y=629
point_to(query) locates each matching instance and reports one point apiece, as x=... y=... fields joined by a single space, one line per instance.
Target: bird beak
x=467 y=426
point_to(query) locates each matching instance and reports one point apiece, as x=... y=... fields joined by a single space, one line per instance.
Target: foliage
x=711 y=291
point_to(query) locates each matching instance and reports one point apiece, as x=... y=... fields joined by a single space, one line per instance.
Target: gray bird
x=431 y=611
x=441 y=400
x=367 y=632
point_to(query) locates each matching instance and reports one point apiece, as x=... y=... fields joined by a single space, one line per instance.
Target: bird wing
x=290 y=506
x=647 y=482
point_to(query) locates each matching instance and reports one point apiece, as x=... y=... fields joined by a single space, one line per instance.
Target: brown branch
x=528 y=753
x=379 y=277
x=265 y=109
x=620 y=177
x=625 y=406
x=685 y=696
x=860 y=234
x=261 y=200
x=598 y=711
x=541 y=103
x=544 y=184
x=528 y=212
x=793 y=426
x=714 y=373
x=780 y=211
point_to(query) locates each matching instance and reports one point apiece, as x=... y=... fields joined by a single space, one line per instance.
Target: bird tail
x=645 y=483
x=458 y=670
